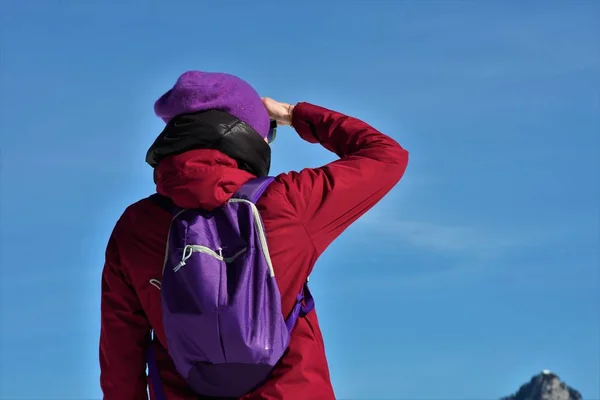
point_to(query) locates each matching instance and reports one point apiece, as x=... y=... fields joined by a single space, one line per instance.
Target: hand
x=280 y=112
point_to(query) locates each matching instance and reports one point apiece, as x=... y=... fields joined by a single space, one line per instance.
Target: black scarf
x=213 y=129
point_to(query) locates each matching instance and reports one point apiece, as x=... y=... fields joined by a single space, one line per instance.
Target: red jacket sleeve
x=330 y=198
x=124 y=333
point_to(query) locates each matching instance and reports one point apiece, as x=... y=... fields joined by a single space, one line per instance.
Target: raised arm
x=330 y=198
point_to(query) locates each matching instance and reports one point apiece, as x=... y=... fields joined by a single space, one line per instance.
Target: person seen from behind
x=205 y=282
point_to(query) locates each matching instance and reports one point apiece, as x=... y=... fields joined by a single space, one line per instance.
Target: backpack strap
x=253 y=189
x=305 y=303
x=153 y=374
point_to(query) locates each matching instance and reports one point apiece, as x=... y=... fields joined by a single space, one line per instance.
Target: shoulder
x=142 y=221
x=275 y=199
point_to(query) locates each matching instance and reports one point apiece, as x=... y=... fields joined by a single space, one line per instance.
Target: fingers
x=280 y=112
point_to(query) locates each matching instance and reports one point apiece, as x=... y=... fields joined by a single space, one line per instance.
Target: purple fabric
x=304 y=304
x=157 y=387
x=253 y=189
x=222 y=319
x=199 y=91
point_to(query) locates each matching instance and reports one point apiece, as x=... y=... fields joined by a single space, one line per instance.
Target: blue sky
x=479 y=270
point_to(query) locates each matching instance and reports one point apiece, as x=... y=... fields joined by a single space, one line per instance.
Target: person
x=303 y=213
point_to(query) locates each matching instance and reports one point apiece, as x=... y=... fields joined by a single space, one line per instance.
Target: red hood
x=199 y=178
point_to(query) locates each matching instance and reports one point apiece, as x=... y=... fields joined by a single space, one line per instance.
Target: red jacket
x=303 y=213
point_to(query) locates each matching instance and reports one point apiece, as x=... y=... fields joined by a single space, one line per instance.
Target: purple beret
x=198 y=91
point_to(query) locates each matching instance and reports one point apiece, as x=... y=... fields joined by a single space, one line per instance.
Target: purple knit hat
x=199 y=91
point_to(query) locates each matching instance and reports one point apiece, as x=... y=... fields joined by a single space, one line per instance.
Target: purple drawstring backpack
x=221 y=305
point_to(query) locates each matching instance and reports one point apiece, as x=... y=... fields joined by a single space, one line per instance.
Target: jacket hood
x=200 y=178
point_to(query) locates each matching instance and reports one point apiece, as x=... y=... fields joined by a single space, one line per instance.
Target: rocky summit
x=545 y=386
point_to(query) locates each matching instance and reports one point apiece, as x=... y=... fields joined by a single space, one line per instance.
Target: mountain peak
x=545 y=386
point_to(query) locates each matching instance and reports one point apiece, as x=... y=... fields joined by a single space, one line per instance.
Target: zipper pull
x=187 y=253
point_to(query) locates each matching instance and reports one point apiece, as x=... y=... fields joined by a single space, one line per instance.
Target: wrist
x=290 y=112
